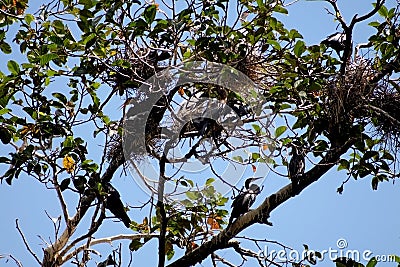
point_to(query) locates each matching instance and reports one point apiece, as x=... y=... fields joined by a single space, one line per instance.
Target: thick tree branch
x=222 y=240
x=51 y=257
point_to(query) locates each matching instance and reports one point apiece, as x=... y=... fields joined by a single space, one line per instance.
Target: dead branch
x=26 y=243
x=106 y=240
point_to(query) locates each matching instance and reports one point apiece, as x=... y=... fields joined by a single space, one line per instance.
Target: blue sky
x=318 y=217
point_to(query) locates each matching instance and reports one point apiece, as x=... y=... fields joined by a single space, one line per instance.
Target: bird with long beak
x=242 y=202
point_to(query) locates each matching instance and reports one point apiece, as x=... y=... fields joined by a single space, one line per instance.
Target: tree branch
x=26 y=243
x=51 y=256
x=107 y=240
x=355 y=20
x=222 y=240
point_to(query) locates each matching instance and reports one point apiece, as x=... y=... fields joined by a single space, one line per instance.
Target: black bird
x=296 y=166
x=242 y=202
x=114 y=204
x=109 y=261
x=336 y=41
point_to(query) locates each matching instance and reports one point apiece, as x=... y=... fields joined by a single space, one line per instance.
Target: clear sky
x=368 y=220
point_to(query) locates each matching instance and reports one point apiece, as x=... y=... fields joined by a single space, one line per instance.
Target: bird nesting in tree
x=296 y=166
x=336 y=41
x=113 y=203
x=242 y=202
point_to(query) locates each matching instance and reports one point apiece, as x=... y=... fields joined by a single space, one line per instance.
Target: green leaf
x=58 y=24
x=238 y=159
x=192 y=195
x=383 y=11
x=255 y=156
x=210 y=181
x=60 y=97
x=170 y=254
x=388 y=156
x=64 y=184
x=169 y=250
x=372 y=262
x=374 y=24
x=344 y=165
x=274 y=44
x=135 y=245
x=47 y=58
x=13 y=67
x=256 y=127
x=280 y=130
x=299 y=48
x=5 y=136
x=150 y=13
x=260 y=3
x=280 y=9
x=29 y=18
x=5 y=48
x=79 y=183
x=4 y=111
x=69 y=141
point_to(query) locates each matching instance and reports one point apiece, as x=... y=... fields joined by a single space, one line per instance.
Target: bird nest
x=348 y=92
x=356 y=96
x=385 y=107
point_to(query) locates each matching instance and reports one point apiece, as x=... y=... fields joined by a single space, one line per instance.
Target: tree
x=196 y=77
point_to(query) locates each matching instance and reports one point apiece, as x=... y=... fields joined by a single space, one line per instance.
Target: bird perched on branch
x=113 y=203
x=296 y=165
x=242 y=202
x=336 y=41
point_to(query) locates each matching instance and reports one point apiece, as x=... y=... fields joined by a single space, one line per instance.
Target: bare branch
x=221 y=259
x=13 y=258
x=107 y=240
x=355 y=20
x=26 y=243
x=338 y=14
x=382 y=112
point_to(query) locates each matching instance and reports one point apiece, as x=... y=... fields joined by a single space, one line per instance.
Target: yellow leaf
x=69 y=164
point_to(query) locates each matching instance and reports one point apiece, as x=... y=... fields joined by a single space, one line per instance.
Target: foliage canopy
x=78 y=60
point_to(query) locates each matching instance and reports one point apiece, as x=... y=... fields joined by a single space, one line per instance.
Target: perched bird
x=296 y=166
x=242 y=202
x=109 y=261
x=114 y=204
x=336 y=41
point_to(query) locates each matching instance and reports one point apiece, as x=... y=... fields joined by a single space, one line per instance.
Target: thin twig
x=107 y=240
x=26 y=243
